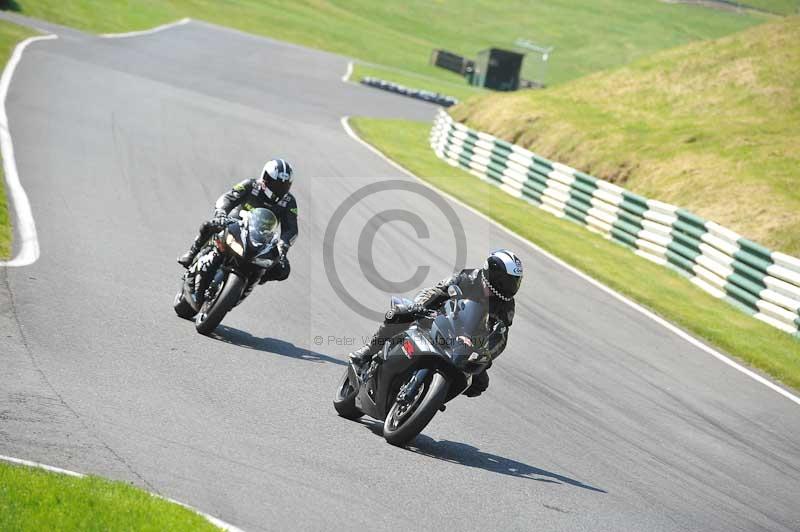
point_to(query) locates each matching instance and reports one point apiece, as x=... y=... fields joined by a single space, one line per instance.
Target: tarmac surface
x=597 y=418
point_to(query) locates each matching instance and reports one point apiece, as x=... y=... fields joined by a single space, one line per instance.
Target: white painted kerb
x=26 y=227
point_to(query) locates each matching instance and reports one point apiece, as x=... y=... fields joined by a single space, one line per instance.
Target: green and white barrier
x=764 y=283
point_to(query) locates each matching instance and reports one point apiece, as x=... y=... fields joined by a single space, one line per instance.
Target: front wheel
x=209 y=317
x=345 y=400
x=406 y=420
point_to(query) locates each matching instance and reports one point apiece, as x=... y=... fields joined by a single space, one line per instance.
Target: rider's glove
x=417 y=310
x=221 y=217
x=403 y=314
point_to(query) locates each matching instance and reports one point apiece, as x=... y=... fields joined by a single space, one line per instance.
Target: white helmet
x=277 y=177
x=502 y=273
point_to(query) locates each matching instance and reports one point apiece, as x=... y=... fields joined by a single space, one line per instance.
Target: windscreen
x=262 y=226
x=469 y=321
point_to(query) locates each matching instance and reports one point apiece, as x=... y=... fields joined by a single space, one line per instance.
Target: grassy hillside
x=782 y=7
x=588 y=35
x=714 y=127
x=10 y=35
x=658 y=288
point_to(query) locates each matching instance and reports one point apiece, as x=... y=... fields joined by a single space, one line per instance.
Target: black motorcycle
x=419 y=371
x=227 y=268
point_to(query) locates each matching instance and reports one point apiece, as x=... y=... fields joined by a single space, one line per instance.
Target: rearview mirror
x=454 y=292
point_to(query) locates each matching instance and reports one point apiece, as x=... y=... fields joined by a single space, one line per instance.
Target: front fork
x=251 y=284
x=408 y=392
x=208 y=270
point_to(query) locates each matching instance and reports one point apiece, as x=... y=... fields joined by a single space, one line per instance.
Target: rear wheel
x=211 y=315
x=182 y=307
x=407 y=419
x=345 y=400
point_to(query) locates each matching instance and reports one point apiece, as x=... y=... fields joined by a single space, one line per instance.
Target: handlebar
x=427 y=313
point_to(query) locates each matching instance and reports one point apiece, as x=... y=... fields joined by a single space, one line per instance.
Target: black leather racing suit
x=248 y=195
x=501 y=316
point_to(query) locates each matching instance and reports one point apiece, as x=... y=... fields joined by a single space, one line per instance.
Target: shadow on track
x=467 y=455
x=233 y=336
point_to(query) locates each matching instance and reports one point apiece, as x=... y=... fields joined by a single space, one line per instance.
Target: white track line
x=661 y=321
x=52 y=469
x=349 y=72
x=29 y=242
x=210 y=518
x=163 y=27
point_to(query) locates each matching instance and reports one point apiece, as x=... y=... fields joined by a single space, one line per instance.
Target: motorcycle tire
x=205 y=323
x=435 y=395
x=345 y=400
x=182 y=307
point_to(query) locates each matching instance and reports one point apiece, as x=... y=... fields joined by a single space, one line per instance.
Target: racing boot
x=186 y=259
x=362 y=356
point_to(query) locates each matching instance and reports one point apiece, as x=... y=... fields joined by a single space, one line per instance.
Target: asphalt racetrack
x=597 y=418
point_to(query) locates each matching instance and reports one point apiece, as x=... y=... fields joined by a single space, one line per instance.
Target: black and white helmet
x=502 y=274
x=277 y=177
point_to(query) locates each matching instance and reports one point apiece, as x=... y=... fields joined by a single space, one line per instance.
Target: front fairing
x=252 y=239
x=460 y=333
x=441 y=347
x=380 y=387
x=468 y=359
x=243 y=254
x=235 y=239
x=257 y=252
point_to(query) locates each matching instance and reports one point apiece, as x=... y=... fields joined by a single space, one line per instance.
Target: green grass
x=660 y=289
x=415 y=81
x=34 y=499
x=713 y=127
x=6 y=233
x=10 y=35
x=589 y=35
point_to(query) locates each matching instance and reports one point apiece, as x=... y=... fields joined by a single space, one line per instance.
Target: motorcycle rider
x=270 y=191
x=496 y=284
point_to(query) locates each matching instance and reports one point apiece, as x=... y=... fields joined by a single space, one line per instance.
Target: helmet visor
x=510 y=285
x=277 y=187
